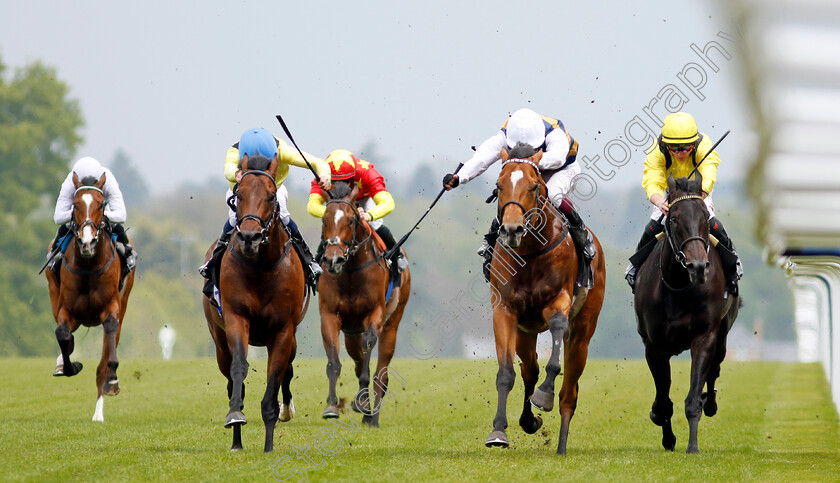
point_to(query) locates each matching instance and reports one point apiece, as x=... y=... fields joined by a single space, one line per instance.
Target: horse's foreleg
x=526 y=348
x=281 y=352
x=709 y=398
x=237 y=339
x=663 y=408
x=64 y=336
x=504 y=328
x=702 y=352
x=106 y=373
x=543 y=397
x=330 y=328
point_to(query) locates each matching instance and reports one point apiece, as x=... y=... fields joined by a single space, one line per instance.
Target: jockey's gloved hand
x=450 y=181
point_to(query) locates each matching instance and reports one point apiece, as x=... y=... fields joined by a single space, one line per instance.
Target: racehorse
x=533 y=275
x=680 y=305
x=87 y=289
x=353 y=301
x=263 y=299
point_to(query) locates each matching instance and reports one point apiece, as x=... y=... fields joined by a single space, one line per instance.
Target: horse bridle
x=513 y=202
x=88 y=222
x=265 y=225
x=352 y=246
x=678 y=251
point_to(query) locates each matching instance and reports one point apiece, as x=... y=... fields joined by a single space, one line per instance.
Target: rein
x=679 y=255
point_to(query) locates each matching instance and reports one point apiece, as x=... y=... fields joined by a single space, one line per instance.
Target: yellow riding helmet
x=342 y=164
x=679 y=128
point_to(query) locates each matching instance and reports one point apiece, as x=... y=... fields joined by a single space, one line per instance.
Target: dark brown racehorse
x=352 y=301
x=533 y=274
x=263 y=299
x=680 y=305
x=87 y=290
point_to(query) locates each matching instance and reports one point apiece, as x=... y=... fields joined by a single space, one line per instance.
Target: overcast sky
x=175 y=83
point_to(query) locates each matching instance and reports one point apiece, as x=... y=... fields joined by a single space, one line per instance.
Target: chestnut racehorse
x=533 y=275
x=87 y=291
x=263 y=299
x=680 y=305
x=352 y=301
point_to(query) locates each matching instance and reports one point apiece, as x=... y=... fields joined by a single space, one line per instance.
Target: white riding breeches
x=368 y=204
x=560 y=182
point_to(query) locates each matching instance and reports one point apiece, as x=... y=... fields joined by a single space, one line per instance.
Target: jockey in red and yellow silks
x=676 y=152
x=373 y=199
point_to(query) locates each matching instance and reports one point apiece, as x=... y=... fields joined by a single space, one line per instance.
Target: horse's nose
x=512 y=229
x=698 y=269
x=251 y=237
x=335 y=264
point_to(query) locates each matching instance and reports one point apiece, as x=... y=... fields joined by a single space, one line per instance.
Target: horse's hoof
x=76 y=368
x=709 y=404
x=359 y=409
x=497 y=439
x=542 y=400
x=235 y=418
x=330 y=413
x=536 y=424
x=691 y=450
x=669 y=442
x=287 y=412
x=111 y=388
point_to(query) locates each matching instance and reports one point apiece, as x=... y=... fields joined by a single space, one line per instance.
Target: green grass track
x=775 y=422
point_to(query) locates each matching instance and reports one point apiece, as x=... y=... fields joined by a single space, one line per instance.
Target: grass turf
x=775 y=422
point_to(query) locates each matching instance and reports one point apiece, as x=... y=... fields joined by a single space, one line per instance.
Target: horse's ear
x=272 y=168
x=537 y=157
x=76 y=181
x=699 y=178
x=244 y=163
x=672 y=185
x=505 y=154
x=99 y=184
x=354 y=192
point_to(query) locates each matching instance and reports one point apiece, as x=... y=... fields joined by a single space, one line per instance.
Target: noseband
x=77 y=229
x=678 y=250
x=265 y=225
x=352 y=246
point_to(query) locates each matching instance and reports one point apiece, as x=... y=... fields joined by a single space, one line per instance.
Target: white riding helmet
x=88 y=166
x=527 y=127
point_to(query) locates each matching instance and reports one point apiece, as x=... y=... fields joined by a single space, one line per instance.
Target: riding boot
x=55 y=254
x=311 y=268
x=584 y=245
x=486 y=248
x=208 y=268
x=319 y=254
x=389 y=240
x=643 y=249
x=124 y=248
x=732 y=268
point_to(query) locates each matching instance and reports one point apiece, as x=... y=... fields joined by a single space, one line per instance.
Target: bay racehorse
x=680 y=305
x=263 y=299
x=533 y=275
x=86 y=291
x=353 y=301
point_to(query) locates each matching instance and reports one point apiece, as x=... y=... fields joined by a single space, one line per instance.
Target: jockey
x=259 y=141
x=676 y=152
x=557 y=167
x=88 y=167
x=374 y=199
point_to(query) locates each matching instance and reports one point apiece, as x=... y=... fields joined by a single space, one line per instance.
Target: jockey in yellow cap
x=373 y=199
x=677 y=151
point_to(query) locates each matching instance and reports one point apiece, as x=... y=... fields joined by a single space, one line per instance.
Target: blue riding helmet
x=257 y=141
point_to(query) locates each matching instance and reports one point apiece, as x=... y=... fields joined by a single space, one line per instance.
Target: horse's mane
x=258 y=162
x=522 y=151
x=688 y=185
x=341 y=189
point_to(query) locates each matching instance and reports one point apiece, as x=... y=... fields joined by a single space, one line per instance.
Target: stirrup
x=482 y=250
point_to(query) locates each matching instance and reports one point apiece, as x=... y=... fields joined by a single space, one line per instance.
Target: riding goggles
x=679 y=148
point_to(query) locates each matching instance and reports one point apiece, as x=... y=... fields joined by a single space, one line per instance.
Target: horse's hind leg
x=577 y=350
x=663 y=408
x=355 y=349
x=702 y=352
x=281 y=352
x=362 y=399
x=543 y=397
x=106 y=372
x=330 y=328
x=526 y=348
